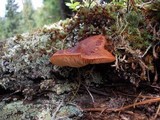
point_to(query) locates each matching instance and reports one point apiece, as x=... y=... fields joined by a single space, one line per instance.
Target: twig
x=136 y=99
x=144 y=69
x=138 y=103
x=123 y=108
x=156 y=87
x=148 y=75
x=158 y=109
x=57 y=109
x=139 y=96
x=154 y=51
x=8 y=95
x=90 y=94
x=146 y=51
x=124 y=28
x=155 y=77
x=99 y=92
x=143 y=64
x=116 y=63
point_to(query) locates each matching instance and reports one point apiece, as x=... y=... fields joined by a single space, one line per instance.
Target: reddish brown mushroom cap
x=89 y=51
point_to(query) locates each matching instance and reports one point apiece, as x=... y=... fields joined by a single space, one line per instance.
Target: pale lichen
x=19 y=111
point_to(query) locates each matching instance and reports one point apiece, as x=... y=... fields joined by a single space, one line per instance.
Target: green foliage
x=2 y=28
x=12 y=18
x=73 y=5
x=16 y=22
x=11 y=9
x=27 y=23
x=49 y=13
x=133 y=18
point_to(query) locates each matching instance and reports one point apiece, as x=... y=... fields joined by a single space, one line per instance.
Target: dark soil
x=106 y=103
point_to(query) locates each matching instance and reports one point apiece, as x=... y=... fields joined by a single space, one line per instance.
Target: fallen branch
x=138 y=103
x=154 y=100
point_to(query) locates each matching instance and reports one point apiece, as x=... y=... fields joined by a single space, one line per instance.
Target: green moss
x=138 y=42
x=134 y=18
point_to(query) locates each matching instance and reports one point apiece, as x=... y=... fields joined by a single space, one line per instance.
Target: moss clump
x=25 y=58
x=19 y=111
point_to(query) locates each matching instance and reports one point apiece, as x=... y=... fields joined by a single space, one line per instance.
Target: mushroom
x=88 y=51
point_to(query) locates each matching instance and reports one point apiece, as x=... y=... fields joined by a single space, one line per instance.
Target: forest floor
x=121 y=101
x=116 y=101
